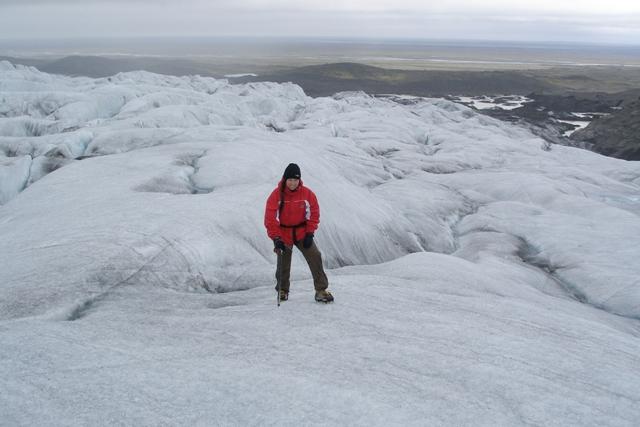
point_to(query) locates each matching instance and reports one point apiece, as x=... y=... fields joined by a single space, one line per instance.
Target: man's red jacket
x=300 y=214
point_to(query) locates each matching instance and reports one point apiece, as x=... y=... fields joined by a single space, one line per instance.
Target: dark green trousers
x=314 y=259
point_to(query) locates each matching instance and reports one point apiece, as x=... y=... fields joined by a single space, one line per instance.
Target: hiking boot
x=324 y=296
x=284 y=295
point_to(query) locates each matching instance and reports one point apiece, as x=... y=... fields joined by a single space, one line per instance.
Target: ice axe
x=278 y=274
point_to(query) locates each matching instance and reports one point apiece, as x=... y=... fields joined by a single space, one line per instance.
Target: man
x=292 y=216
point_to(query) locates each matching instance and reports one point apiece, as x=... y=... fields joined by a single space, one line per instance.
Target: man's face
x=292 y=183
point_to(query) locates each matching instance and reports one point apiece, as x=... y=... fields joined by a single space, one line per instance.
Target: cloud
x=589 y=7
x=28 y=3
x=455 y=19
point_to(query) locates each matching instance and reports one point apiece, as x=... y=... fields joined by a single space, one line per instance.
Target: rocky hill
x=616 y=135
x=327 y=79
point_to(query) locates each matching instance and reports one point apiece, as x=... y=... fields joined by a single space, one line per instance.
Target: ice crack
x=181 y=181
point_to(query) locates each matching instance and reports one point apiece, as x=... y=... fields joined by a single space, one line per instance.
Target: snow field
x=479 y=279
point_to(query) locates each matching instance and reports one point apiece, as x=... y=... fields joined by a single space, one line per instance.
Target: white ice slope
x=472 y=269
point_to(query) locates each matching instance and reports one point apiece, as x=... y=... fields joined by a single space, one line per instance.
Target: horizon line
x=369 y=39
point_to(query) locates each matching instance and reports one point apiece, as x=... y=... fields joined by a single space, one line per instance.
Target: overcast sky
x=604 y=21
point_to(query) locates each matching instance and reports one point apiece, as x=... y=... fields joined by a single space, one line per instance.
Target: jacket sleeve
x=270 y=215
x=314 y=213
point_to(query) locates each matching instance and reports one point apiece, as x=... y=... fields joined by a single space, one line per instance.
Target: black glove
x=278 y=245
x=308 y=240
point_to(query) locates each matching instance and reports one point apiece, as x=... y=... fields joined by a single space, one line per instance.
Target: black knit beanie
x=292 y=171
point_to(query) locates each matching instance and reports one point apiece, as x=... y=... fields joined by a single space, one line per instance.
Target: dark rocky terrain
x=615 y=135
x=613 y=131
x=327 y=79
x=543 y=114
